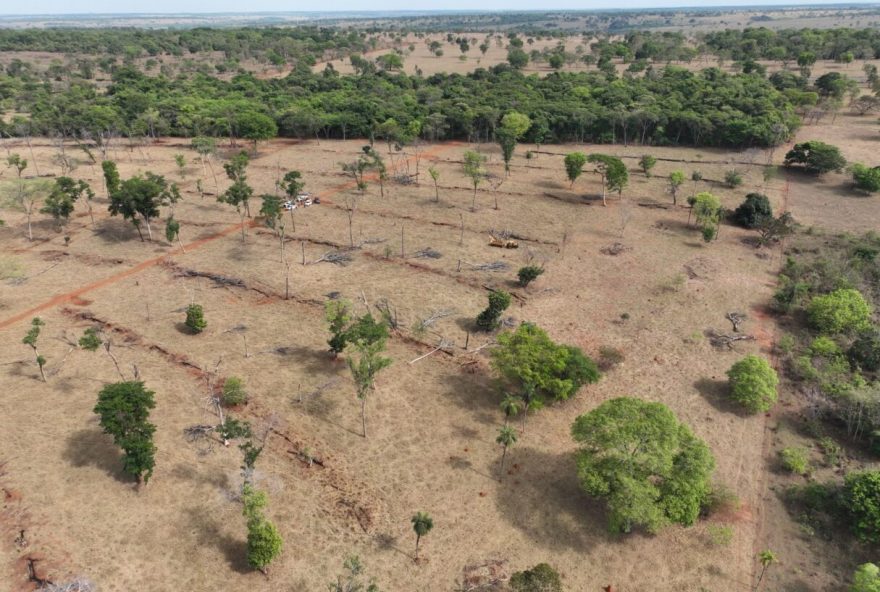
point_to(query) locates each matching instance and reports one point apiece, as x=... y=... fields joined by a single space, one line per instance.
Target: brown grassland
x=432 y=424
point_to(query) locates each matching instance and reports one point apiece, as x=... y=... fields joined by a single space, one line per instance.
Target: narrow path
x=72 y=295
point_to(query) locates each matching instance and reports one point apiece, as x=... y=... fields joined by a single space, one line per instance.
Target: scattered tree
x=650 y=469
x=767 y=558
x=707 y=211
x=474 y=169
x=613 y=172
x=506 y=438
x=753 y=384
x=866 y=179
x=435 y=176
x=234 y=392
x=528 y=274
x=541 y=578
x=574 y=166
x=489 y=319
x=676 y=180
x=816 y=158
x=124 y=412
x=337 y=313
x=140 y=197
x=90 y=341
x=263 y=540
x=646 y=163
x=753 y=211
x=513 y=126
x=368 y=338
x=195 y=318
x=733 y=178
x=422 y=524
x=31 y=339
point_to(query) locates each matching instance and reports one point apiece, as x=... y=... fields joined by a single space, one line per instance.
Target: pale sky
x=19 y=7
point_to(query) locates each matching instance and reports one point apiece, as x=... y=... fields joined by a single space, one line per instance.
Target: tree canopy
x=650 y=469
x=815 y=157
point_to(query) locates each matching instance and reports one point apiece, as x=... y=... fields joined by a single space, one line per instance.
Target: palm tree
x=530 y=401
x=422 y=525
x=766 y=558
x=511 y=405
x=506 y=437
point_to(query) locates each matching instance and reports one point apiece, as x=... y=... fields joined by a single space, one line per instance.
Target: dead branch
x=736 y=319
x=494 y=266
x=614 y=249
x=336 y=257
x=433 y=317
x=443 y=344
x=721 y=340
x=220 y=280
x=427 y=253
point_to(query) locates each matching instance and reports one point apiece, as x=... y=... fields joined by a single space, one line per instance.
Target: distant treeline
x=665 y=106
x=789 y=44
x=274 y=44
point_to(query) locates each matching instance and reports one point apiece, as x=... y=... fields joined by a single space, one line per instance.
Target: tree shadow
x=114 y=230
x=316 y=362
x=189 y=472
x=460 y=463
x=91 y=447
x=475 y=392
x=716 y=392
x=210 y=533
x=544 y=500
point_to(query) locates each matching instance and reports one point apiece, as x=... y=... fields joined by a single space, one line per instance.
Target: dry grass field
x=432 y=423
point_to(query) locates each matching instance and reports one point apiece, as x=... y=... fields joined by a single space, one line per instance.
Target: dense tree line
x=668 y=106
x=790 y=44
x=234 y=43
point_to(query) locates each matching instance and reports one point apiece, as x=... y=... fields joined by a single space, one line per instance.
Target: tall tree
x=124 y=412
x=676 y=180
x=613 y=172
x=139 y=198
x=239 y=193
x=30 y=339
x=474 y=169
x=506 y=438
x=368 y=339
x=435 y=177
x=513 y=126
x=574 y=166
x=650 y=469
x=264 y=543
x=422 y=524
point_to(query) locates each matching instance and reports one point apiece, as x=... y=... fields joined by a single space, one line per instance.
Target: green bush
x=752 y=211
x=195 y=318
x=233 y=392
x=488 y=320
x=864 y=353
x=528 y=274
x=866 y=578
x=753 y=384
x=861 y=500
x=866 y=178
x=720 y=534
x=795 y=460
x=841 y=311
x=541 y=578
x=733 y=178
x=831 y=450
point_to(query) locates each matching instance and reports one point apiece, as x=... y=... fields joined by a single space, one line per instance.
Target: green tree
x=861 y=500
x=172 y=230
x=541 y=578
x=675 y=181
x=90 y=341
x=256 y=127
x=650 y=469
x=111 y=176
x=351 y=581
x=531 y=362
x=574 y=166
x=233 y=392
x=866 y=179
x=195 y=318
x=292 y=184
x=506 y=438
x=124 y=411
x=646 y=163
x=816 y=158
x=766 y=558
x=239 y=193
x=489 y=319
x=733 y=178
x=337 y=313
x=367 y=361
x=517 y=58
x=753 y=210
x=866 y=578
x=65 y=193
x=511 y=405
x=707 y=211
x=264 y=542
x=474 y=168
x=841 y=311
x=613 y=172
x=753 y=384
x=30 y=339
x=422 y=524
x=140 y=197
x=528 y=274
x=435 y=177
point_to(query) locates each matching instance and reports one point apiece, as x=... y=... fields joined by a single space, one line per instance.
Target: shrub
x=733 y=178
x=750 y=212
x=721 y=498
x=831 y=450
x=720 y=534
x=866 y=178
x=861 y=500
x=866 y=578
x=195 y=318
x=841 y=311
x=541 y=578
x=488 y=320
x=864 y=353
x=528 y=274
x=753 y=384
x=233 y=392
x=795 y=460
x=647 y=162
